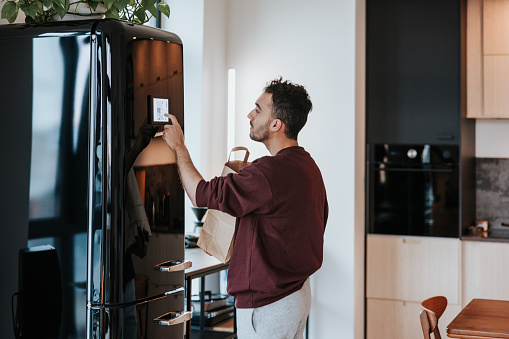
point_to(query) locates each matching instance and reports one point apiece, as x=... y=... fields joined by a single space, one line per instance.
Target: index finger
x=173 y=119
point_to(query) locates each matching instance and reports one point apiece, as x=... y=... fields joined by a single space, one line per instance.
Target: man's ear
x=276 y=125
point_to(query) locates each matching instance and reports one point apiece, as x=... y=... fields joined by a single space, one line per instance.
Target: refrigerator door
x=45 y=101
x=58 y=167
x=136 y=219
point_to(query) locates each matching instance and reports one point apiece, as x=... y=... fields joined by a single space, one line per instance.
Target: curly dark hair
x=290 y=104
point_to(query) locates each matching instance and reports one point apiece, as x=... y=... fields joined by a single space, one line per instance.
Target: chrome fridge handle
x=173 y=318
x=173 y=266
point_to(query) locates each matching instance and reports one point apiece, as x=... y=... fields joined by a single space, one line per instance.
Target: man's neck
x=274 y=146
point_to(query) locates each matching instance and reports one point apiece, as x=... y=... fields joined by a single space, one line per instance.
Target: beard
x=261 y=133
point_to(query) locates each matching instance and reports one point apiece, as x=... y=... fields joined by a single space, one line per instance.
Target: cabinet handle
x=173 y=318
x=411 y=241
x=173 y=266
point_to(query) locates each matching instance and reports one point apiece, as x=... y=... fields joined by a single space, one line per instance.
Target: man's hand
x=173 y=134
x=189 y=175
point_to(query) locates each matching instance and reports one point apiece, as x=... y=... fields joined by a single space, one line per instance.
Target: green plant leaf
x=140 y=14
x=62 y=4
x=146 y=4
x=92 y=4
x=108 y=3
x=9 y=11
x=112 y=13
x=121 y=4
x=59 y=7
x=30 y=9
x=47 y=4
x=152 y=10
x=164 y=8
x=29 y=20
x=12 y=18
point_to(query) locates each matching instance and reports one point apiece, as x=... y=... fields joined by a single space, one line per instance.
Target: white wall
x=186 y=20
x=214 y=98
x=311 y=43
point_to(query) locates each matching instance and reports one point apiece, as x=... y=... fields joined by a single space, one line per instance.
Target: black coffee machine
x=192 y=239
x=199 y=212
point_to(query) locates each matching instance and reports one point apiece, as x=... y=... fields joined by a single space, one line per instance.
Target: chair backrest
x=432 y=310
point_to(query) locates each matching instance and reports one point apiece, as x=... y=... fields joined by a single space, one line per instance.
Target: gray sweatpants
x=283 y=319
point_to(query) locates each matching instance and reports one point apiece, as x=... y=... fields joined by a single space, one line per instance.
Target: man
x=281 y=209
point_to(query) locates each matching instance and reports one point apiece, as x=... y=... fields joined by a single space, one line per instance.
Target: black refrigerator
x=87 y=177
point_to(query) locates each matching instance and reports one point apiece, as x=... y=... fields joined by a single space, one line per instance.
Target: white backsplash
x=492 y=138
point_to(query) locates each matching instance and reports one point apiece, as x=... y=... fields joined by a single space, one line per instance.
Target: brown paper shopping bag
x=216 y=235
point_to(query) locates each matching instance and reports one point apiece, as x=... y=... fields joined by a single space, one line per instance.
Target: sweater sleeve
x=237 y=194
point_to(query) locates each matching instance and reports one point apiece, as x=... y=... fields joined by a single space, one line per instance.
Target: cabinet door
x=495 y=14
x=412 y=71
x=485 y=270
x=496 y=85
x=496 y=57
x=412 y=268
x=388 y=319
x=487 y=58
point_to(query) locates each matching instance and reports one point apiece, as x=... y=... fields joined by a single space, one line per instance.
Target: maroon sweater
x=281 y=209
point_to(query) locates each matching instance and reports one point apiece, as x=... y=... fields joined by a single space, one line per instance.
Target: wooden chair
x=432 y=310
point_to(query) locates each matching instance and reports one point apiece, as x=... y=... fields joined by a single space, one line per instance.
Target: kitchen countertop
x=480 y=238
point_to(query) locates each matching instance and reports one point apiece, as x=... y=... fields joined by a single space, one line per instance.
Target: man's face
x=261 y=118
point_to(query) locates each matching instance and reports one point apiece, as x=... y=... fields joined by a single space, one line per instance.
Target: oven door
x=420 y=201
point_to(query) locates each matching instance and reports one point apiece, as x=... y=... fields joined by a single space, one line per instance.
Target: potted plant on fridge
x=40 y=11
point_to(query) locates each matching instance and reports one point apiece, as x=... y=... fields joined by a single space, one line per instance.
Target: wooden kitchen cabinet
x=413 y=72
x=495 y=14
x=388 y=319
x=412 y=268
x=401 y=272
x=485 y=270
x=487 y=48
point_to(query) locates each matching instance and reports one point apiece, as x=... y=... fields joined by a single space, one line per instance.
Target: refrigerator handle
x=173 y=318
x=173 y=266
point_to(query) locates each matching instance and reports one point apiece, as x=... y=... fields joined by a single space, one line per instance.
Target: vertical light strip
x=231 y=110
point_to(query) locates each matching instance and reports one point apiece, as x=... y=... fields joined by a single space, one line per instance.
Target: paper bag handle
x=239 y=148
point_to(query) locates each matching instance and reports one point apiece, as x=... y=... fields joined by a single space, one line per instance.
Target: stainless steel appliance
x=413 y=190
x=75 y=99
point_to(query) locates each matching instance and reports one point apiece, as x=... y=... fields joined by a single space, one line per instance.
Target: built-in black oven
x=413 y=190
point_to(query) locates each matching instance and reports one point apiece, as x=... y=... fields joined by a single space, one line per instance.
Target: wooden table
x=481 y=319
x=203 y=265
